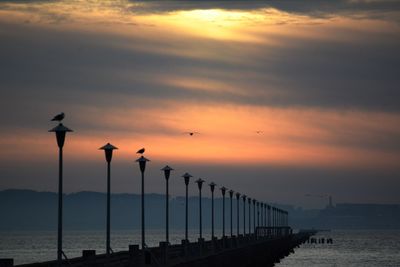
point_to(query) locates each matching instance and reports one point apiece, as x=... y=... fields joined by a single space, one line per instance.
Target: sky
x=289 y=97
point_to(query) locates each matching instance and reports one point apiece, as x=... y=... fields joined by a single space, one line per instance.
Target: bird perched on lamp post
x=58 y=117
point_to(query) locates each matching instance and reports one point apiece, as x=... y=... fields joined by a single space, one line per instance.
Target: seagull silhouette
x=191 y=133
x=58 y=117
x=140 y=151
x=259 y=132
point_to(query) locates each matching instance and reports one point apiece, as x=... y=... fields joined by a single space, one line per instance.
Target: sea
x=378 y=248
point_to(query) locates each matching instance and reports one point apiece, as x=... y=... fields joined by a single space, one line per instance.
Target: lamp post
x=212 y=187
x=167 y=172
x=269 y=219
x=262 y=214
x=187 y=176
x=60 y=130
x=142 y=165
x=274 y=219
x=279 y=221
x=200 y=184
x=258 y=214
x=254 y=215
x=223 y=190
x=108 y=151
x=244 y=214
x=231 y=196
x=249 y=201
x=237 y=213
x=265 y=214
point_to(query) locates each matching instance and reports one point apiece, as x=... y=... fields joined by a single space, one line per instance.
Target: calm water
x=350 y=248
x=27 y=247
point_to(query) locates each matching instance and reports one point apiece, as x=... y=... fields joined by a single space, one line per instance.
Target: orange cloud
x=292 y=137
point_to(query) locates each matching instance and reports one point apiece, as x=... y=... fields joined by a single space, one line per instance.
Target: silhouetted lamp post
x=249 y=201
x=187 y=176
x=223 y=190
x=269 y=215
x=265 y=214
x=244 y=214
x=142 y=165
x=108 y=151
x=261 y=214
x=212 y=187
x=274 y=219
x=258 y=214
x=237 y=212
x=167 y=172
x=231 y=196
x=254 y=215
x=60 y=130
x=200 y=185
x=287 y=219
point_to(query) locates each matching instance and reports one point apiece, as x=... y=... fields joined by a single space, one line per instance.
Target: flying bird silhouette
x=58 y=117
x=191 y=133
x=259 y=132
x=140 y=151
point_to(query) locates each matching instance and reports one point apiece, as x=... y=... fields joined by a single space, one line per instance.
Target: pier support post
x=88 y=254
x=201 y=245
x=89 y=257
x=185 y=245
x=6 y=262
x=164 y=252
x=214 y=242
x=133 y=250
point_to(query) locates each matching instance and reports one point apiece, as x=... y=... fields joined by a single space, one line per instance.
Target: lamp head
x=187 y=176
x=142 y=163
x=167 y=171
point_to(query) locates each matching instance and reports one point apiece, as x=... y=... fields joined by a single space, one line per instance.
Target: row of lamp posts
x=273 y=217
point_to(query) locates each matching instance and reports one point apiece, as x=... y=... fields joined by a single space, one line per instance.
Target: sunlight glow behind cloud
x=321 y=85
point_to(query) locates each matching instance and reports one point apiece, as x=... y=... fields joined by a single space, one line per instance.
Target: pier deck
x=264 y=248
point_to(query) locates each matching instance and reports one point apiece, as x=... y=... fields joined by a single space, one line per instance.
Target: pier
x=263 y=248
x=268 y=239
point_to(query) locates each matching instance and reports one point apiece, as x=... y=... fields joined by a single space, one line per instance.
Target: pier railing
x=175 y=254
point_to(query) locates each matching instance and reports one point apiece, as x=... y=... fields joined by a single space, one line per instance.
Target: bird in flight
x=140 y=151
x=58 y=117
x=191 y=133
x=259 y=132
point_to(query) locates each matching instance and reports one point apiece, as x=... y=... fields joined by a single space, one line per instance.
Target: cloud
x=320 y=81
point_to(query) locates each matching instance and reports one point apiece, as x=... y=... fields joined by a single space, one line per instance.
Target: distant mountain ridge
x=86 y=210
x=32 y=210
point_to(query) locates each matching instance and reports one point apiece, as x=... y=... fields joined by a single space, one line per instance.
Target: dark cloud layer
x=45 y=68
x=316 y=8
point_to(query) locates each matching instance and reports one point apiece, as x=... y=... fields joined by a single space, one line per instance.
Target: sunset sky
x=319 y=79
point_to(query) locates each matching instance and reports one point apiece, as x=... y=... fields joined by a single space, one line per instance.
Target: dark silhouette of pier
x=263 y=248
x=269 y=237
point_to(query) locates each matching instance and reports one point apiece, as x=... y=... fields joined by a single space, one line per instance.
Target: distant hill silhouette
x=32 y=210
